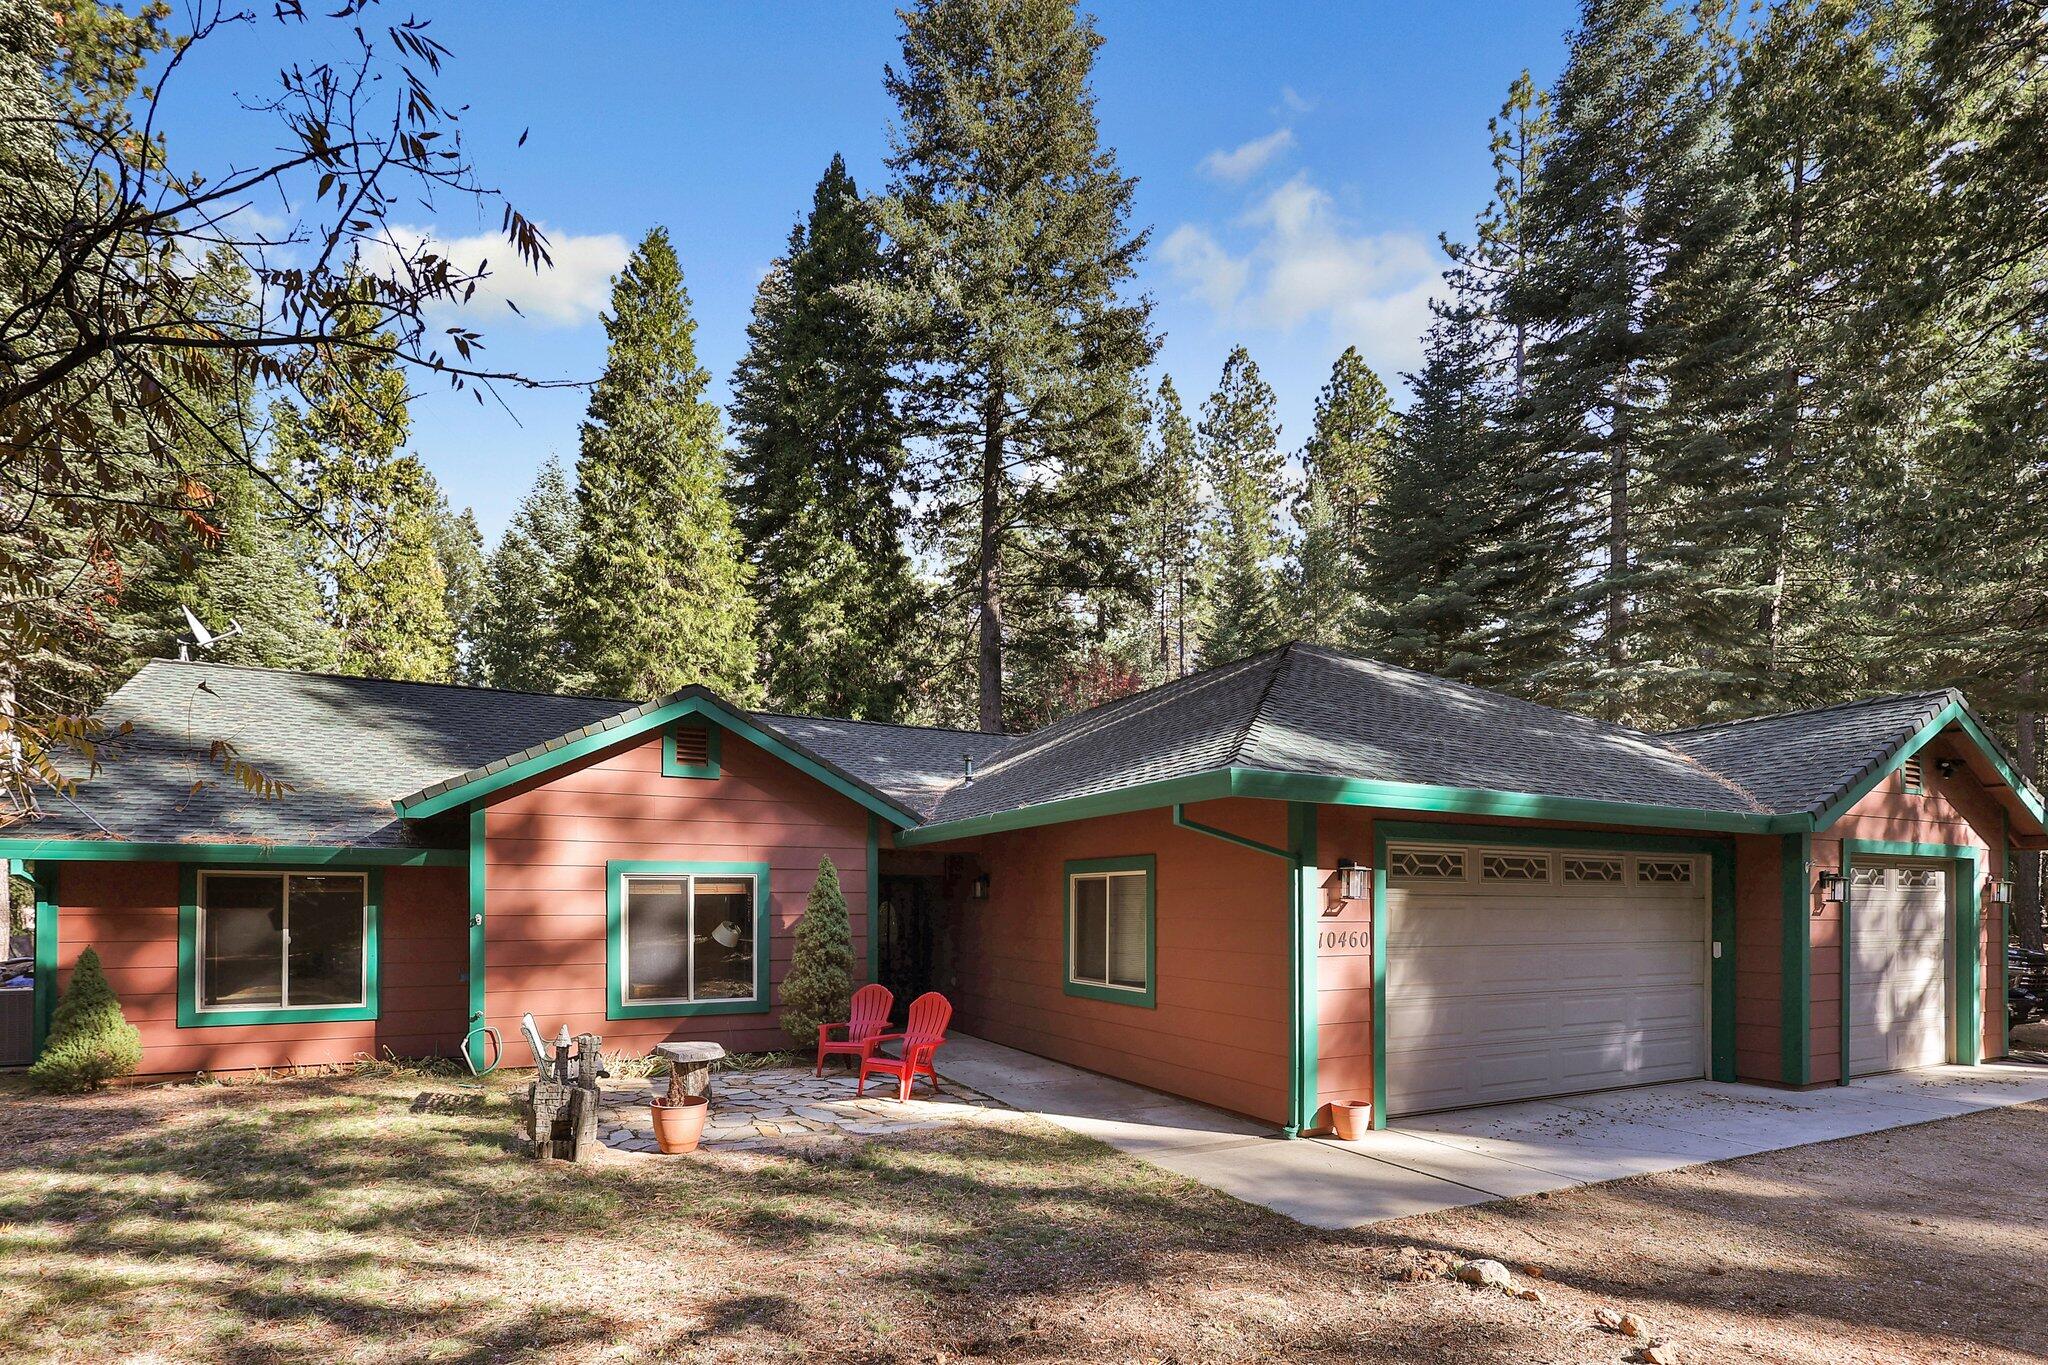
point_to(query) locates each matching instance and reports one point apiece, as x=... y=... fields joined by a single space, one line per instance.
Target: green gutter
x=301 y=855
x=1300 y=856
x=473 y=1042
x=45 y=1002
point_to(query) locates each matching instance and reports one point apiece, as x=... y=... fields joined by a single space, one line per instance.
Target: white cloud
x=1305 y=262
x=1293 y=100
x=567 y=294
x=1239 y=164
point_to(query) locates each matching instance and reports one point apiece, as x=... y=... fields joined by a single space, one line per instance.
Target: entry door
x=1898 y=969
x=1515 y=973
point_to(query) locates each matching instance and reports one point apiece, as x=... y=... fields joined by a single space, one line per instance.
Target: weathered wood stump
x=689 y=1067
x=561 y=1104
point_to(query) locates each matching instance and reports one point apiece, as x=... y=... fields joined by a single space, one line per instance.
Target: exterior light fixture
x=1351 y=885
x=1832 y=885
x=1997 y=891
x=980 y=888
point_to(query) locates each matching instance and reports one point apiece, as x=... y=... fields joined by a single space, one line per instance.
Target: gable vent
x=693 y=746
x=1911 y=774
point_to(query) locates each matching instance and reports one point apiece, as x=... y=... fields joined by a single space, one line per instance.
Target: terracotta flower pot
x=679 y=1126
x=1350 y=1120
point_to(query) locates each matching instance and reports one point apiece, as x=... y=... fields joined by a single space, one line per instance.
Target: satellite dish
x=202 y=638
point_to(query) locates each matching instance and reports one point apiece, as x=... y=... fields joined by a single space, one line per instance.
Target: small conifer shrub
x=90 y=1041
x=819 y=987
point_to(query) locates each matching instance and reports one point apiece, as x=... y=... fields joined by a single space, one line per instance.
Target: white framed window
x=688 y=937
x=1110 y=910
x=284 y=941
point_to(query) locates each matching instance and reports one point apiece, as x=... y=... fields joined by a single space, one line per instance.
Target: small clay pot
x=1350 y=1120
x=679 y=1125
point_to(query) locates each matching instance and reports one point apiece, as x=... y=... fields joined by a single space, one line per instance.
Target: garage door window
x=1109 y=929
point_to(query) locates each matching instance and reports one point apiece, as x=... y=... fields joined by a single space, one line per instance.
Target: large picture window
x=687 y=938
x=270 y=947
x=1109 y=929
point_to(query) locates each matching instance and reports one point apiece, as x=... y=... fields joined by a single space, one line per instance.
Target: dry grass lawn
x=320 y=1220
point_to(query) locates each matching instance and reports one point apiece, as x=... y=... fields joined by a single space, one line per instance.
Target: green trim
x=1720 y=854
x=296 y=855
x=1181 y=821
x=190 y=1015
x=616 y=1006
x=1340 y=791
x=671 y=766
x=474 y=1043
x=1952 y=714
x=1116 y=995
x=711 y=709
x=1795 y=960
x=47 y=917
x=874 y=897
x=1303 y=906
x=1966 y=1020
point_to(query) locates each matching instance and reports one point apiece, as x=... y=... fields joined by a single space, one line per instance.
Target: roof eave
x=2016 y=793
x=609 y=733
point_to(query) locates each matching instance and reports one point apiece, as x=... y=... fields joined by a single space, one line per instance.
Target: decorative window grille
x=1581 y=869
x=1867 y=876
x=1514 y=867
x=1427 y=864
x=1914 y=877
x=1664 y=871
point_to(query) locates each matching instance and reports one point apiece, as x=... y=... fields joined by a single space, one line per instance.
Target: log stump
x=689 y=1067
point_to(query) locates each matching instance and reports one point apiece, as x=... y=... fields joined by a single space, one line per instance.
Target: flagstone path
x=759 y=1109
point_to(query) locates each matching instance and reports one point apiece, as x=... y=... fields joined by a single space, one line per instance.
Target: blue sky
x=1296 y=164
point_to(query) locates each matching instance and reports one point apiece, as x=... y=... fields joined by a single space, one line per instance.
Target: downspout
x=1300 y=856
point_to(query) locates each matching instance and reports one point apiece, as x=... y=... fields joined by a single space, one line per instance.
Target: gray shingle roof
x=1801 y=761
x=1305 y=709
x=351 y=746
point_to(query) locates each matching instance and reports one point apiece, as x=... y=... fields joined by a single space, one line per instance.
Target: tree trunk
x=1614 y=632
x=989 y=591
x=2026 y=872
x=1785 y=440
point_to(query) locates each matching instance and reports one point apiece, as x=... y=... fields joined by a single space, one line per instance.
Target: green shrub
x=819 y=987
x=90 y=1040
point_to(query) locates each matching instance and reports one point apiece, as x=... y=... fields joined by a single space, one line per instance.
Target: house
x=1302 y=877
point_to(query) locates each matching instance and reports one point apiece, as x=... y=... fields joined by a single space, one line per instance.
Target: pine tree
x=657 y=588
x=819 y=987
x=1342 y=464
x=383 y=583
x=260 y=577
x=91 y=1041
x=1168 y=531
x=459 y=550
x=519 y=636
x=1240 y=450
x=820 y=460
x=1019 y=352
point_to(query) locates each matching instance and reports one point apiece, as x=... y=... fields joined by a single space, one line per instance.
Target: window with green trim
x=1110 y=911
x=282 y=941
x=688 y=937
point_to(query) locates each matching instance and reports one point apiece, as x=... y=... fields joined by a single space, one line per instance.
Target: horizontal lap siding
x=1759 y=958
x=1218 y=1033
x=129 y=913
x=1955 y=810
x=546 y=847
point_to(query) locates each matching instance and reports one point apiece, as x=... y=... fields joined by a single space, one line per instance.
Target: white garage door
x=1514 y=973
x=1898 y=968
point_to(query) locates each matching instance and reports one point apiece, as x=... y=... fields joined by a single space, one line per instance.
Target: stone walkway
x=759 y=1109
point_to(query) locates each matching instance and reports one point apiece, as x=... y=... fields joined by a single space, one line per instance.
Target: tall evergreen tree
x=383 y=583
x=519 y=635
x=820 y=461
x=657 y=587
x=1019 y=349
x=1168 y=530
x=1342 y=464
x=459 y=550
x=259 y=576
x=1240 y=448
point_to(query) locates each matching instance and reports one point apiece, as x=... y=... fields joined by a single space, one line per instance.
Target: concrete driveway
x=1471 y=1156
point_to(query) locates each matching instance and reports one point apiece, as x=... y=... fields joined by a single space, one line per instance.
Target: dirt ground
x=322 y=1220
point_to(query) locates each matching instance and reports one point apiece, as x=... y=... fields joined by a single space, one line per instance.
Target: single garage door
x=1898 y=967
x=1514 y=973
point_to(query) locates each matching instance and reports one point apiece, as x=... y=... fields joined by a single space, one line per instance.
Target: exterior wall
x=1954 y=810
x=1344 y=1021
x=1218 y=1031
x=546 y=846
x=129 y=912
x=1759 y=958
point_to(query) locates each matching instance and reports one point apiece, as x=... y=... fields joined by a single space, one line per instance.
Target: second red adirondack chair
x=929 y=1015
x=871 y=1006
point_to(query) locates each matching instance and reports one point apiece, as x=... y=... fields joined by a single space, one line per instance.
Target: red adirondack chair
x=871 y=1006
x=929 y=1014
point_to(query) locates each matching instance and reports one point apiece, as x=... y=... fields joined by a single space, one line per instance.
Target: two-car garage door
x=1517 y=972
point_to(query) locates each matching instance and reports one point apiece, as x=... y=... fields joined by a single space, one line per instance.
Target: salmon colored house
x=1299 y=878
